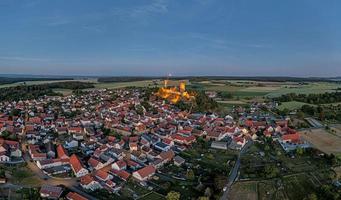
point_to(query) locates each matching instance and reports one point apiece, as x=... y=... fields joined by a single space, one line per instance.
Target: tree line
x=324 y=98
x=24 y=92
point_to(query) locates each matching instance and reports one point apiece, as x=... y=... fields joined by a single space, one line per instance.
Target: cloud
x=221 y=43
x=156 y=7
x=18 y=58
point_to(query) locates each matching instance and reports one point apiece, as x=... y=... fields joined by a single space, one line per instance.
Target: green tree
x=172 y=195
x=299 y=151
x=190 y=175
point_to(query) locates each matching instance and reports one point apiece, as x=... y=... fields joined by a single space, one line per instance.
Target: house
x=89 y=183
x=122 y=174
x=95 y=164
x=4 y=157
x=133 y=146
x=219 y=145
x=103 y=175
x=35 y=153
x=293 y=138
x=162 y=146
x=50 y=192
x=145 y=173
x=78 y=136
x=61 y=152
x=133 y=165
x=44 y=164
x=77 y=166
x=50 y=150
x=71 y=143
x=75 y=196
x=61 y=130
x=178 y=161
x=119 y=165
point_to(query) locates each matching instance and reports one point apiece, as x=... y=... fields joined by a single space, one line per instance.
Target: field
x=65 y=92
x=298 y=186
x=323 y=140
x=292 y=105
x=267 y=190
x=45 y=82
x=336 y=129
x=244 y=190
x=290 y=187
x=147 y=83
x=239 y=89
x=247 y=89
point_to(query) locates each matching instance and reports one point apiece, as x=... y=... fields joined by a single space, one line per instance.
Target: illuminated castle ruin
x=174 y=94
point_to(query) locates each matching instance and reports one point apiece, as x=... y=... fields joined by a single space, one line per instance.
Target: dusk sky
x=181 y=37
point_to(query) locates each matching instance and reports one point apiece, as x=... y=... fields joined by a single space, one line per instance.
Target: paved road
x=234 y=172
x=71 y=183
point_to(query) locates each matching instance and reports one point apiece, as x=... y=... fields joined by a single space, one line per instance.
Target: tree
x=299 y=151
x=208 y=192
x=311 y=197
x=190 y=174
x=300 y=114
x=271 y=171
x=172 y=195
x=203 y=198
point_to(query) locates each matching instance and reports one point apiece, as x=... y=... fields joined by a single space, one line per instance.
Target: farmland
x=244 y=190
x=323 y=140
x=239 y=89
x=243 y=89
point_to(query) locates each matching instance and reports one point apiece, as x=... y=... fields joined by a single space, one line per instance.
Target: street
x=234 y=171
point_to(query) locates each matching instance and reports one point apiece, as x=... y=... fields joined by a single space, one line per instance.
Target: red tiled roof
x=51 y=191
x=121 y=164
x=93 y=162
x=120 y=173
x=87 y=179
x=75 y=196
x=102 y=174
x=292 y=137
x=75 y=163
x=146 y=171
x=61 y=152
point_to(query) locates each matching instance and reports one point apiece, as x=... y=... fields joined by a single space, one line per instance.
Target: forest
x=325 y=98
x=9 y=80
x=24 y=92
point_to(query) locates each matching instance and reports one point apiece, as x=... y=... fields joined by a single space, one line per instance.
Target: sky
x=178 y=37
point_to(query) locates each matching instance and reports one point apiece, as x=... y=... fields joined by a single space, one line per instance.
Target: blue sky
x=181 y=37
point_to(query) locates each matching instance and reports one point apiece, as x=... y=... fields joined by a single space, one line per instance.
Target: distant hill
x=9 y=80
x=207 y=78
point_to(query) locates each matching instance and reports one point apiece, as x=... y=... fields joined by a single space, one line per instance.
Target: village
x=107 y=139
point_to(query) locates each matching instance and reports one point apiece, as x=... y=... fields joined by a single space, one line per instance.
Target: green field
x=292 y=105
